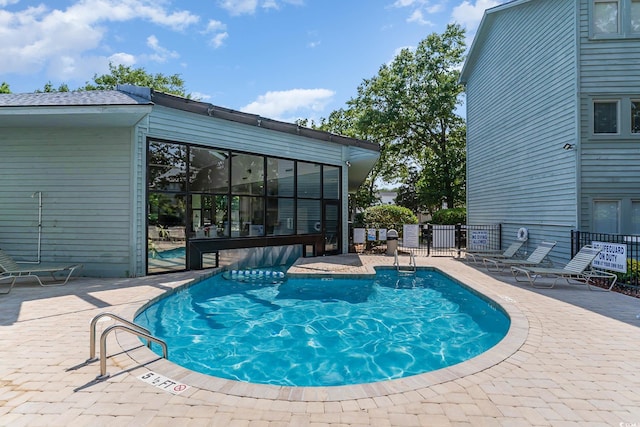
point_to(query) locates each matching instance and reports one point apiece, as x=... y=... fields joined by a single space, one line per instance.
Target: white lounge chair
x=11 y=270
x=537 y=257
x=577 y=269
x=510 y=252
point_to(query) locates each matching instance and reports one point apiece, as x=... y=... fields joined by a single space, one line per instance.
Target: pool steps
x=246 y=275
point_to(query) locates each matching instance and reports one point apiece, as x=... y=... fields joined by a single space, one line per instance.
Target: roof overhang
x=73 y=116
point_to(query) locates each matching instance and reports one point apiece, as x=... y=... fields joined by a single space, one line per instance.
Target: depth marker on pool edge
x=163 y=383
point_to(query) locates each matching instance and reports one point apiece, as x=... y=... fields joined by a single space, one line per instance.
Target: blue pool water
x=325 y=332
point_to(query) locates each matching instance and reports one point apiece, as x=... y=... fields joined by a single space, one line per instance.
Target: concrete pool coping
x=578 y=365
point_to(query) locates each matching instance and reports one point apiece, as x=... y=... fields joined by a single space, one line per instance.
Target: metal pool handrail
x=126 y=326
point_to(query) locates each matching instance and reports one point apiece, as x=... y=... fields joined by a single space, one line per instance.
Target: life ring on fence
x=523 y=234
x=317 y=226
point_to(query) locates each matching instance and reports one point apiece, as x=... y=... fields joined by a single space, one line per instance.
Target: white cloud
x=122 y=58
x=4 y=3
x=469 y=15
x=199 y=96
x=276 y=104
x=59 y=41
x=418 y=18
x=220 y=34
x=160 y=54
x=218 y=39
x=241 y=7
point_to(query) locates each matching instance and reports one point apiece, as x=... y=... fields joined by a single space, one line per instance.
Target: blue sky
x=282 y=59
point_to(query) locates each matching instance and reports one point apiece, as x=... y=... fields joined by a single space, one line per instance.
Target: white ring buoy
x=317 y=226
x=523 y=234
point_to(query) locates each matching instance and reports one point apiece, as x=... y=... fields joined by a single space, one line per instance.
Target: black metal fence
x=440 y=240
x=632 y=243
x=450 y=240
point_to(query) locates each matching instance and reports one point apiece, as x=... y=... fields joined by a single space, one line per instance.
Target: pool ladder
x=124 y=325
x=408 y=269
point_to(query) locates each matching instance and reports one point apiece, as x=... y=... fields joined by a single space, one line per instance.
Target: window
x=331 y=182
x=309 y=216
x=209 y=170
x=309 y=180
x=605 y=117
x=605 y=17
x=167 y=167
x=635 y=116
x=202 y=193
x=605 y=216
x=280 y=177
x=635 y=217
x=280 y=213
x=615 y=18
x=247 y=174
x=635 y=16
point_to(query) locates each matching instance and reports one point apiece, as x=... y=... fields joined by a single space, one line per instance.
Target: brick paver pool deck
x=571 y=358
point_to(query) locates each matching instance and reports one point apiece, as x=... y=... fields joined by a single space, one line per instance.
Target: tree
x=48 y=88
x=410 y=108
x=121 y=74
x=4 y=88
x=388 y=216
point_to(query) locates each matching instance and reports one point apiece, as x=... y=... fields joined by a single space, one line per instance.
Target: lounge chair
x=11 y=270
x=537 y=257
x=577 y=269
x=510 y=252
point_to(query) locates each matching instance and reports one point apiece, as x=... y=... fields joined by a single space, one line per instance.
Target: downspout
x=39 y=249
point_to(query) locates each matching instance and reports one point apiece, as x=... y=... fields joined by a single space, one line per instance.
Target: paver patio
x=571 y=359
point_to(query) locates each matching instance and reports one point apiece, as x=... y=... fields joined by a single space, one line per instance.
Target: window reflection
x=280 y=214
x=309 y=216
x=205 y=193
x=308 y=180
x=209 y=216
x=331 y=182
x=247 y=174
x=247 y=215
x=280 y=177
x=209 y=170
x=167 y=166
x=605 y=17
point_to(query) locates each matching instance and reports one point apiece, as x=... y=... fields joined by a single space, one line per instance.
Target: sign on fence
x=479 y=238
x=382 y=234
x=358 y=235
x=613 y=256
x=411 y=235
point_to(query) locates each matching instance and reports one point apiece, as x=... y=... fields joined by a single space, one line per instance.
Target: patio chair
x=537 y=257
x=578 y=269
x=11 y=270
x=510 y=252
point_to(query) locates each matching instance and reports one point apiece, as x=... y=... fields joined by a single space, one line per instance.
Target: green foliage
x=632 y=276
x=121 y=74
x=4 y=88
x=48 y=88
x=410 y=109
x=450 y=216
x=388 y=216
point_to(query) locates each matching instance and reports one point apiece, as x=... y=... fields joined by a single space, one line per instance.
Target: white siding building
x=552 y=88
x=132 y=181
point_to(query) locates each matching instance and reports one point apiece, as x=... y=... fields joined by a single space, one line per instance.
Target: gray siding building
x=131 y=181
x=553 y=119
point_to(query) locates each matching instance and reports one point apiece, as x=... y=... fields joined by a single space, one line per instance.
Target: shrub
x=389 y=216
x=450 y=216
x=632 y=276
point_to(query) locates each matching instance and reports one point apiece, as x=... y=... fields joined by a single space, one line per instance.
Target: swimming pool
x=325 y=332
